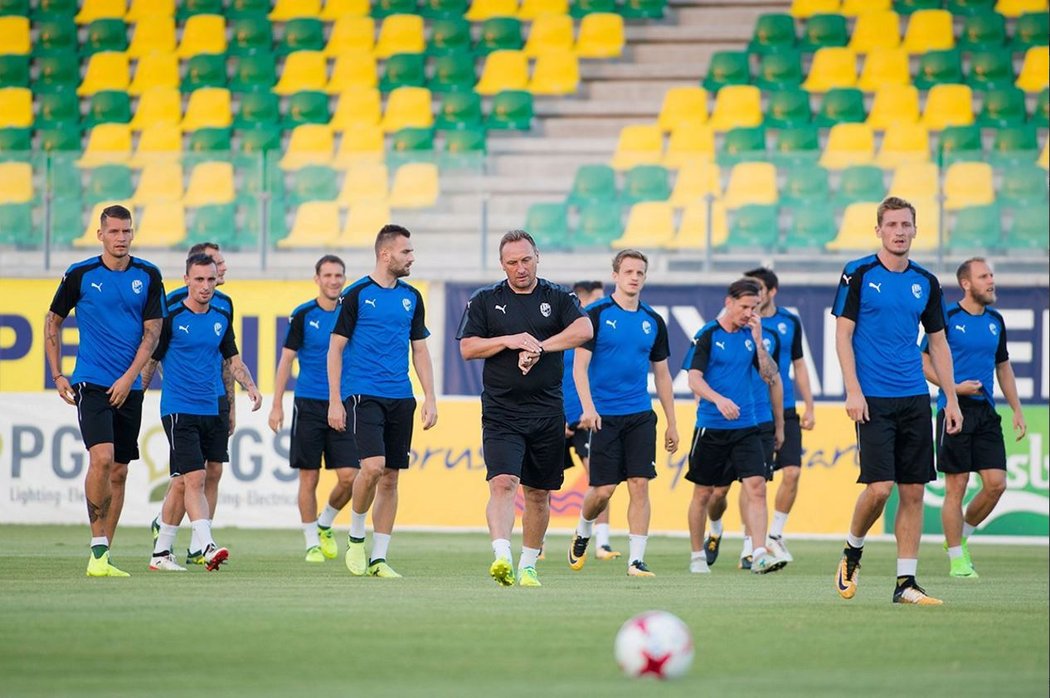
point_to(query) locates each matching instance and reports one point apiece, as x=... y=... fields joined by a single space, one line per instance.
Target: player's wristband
x=57 y=376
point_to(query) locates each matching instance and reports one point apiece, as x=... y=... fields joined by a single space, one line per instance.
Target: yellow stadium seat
x=316 y=225
x=696 y=181
x=310 y=144
x=503 y=70
x=1016 y=8
x=202 y=34
x=689 y=142
x=90 y=236
x=358 y=105
x=334 y=10
x=159 y=181
x=1044 y=157
x=903 y=143
x=751 y=183
x=650 y=224
x=364 y=182
x=531 y=10
x=639 y=144
x=802 y=9
x=883 y=67
x=210 y=183
x=683 y=104
x=848 y=144
x=855 y=8
x=16 y=107
x=158 y=143
x=352 y=70
x=415 y=186
x=361 y=143
x=857 y=229
x=303 y=70
x=832 y=67
x=555 y=73
x=362 y=224
x=100 y=9
x=968 y=184
x=875 y=30
x=929 y=30
x=284 y=10
x=480 y=10
x=15 y=31
x=158 y=105
x=948 y=105
x=601 y=36
x=163 y=224
x=549 y=33
x=894 y=104
x=736 y=106
x=927 y=224
x=16 y=182
x=155 y=33
x=155 y=70
x=1035 y=70
x=408 y=107
x=107 y=70
x=351 y=34
x=141 y=10
x=209 y=107
x=916 y=180
x=400 y=34
x=693 y=229
x=107 y=143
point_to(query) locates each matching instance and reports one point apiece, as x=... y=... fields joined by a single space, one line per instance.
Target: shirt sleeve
x=296 y=331
x=1001 y=354
x=847 y=297
x=701 y=352
x=154 y=308
x=474 y=323
x=67 y=295
x=347 y=320
x=661 y=345
x=164 y=340
x=933 y=315
x=570 y=310
x=796 y=340
x=419 y=321
x=228 y=345
x=594 y=313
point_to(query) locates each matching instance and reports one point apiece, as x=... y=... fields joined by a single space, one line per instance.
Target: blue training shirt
x=978 y=344
x=887 y=308
x=309 y=328
x=623 y=345
x=189 y=340
x=570 y=398
x=759 y=387
x=220 y=301
x=789 y=331
x=110 y=307
x=380 y=323
x=728 y=361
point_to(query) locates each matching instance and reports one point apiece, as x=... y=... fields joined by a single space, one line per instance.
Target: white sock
x=528 y=557
x=955 y=553
x=501 y=549
x=906 y=567
x=585 y=527
x=854 y=541
x=101 y=540
x=310 y=534
x=758 y=552
x=357 y=524
x=747 y=549
x=716 y=527
x=201 y=535
x=165 y=539
x=380 y=544
x=697 y=555
x=327 y=517
x=636 y=548
x=968 y=530
x=780 y=520
x=601 y=534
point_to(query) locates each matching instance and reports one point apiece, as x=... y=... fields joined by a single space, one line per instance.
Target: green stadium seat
x=411 y=145
x=302 y=34
x=936 y=67
x=548 y=223
x=860 y=183
x=812 y=227
x=314 y=183
x=821 y=31
x=14 y=71
x=404 y=70
x=56 y=110
x=188 y=8
x=982 y=31
x=960 y=143
x=511 y=110
x=465 y=141
x=16 y=226
x=54 y=72
x=55 y=35
x=204 y=70
x=806 y=186
x=753 y=225
x=67 y=220
x=643 y=9
x=977 y=228
x=580 y=8
x=1029 y=228
x=599 y=224
x=58 y=8
x=459 y=110
x=727 y=68
x=906 y=7
x=105 y=35
x=841 y=105
x=250 y=34
x=18 y=8
x=645 y=183
x=442 y=9
x=773 y=32
x=500 y=34
x=66 y=138
x=1041 y=116
x=209 y=140
x=1030 y=30
x=109 y=183
x=307 y=107
x=1014 y=145
x=453 y=72
x=63 y=177
x=238 y=8
x=254 y=73
x=1003 y=107
x=258 y=109
x=385 y=8
x=1024 y=185
x=15 y=140
x=213 y=223
x=797 y=146
x=742 y=145
x=593 y=184
x=779 y=71
x=787 y=109
x=990 y=69
x=449 y=35
x=108 y=107
x=969 y=8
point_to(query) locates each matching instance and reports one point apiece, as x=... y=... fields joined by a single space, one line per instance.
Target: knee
x=308 y=479
x=118 y=474
x=503 y=485
x=388 y=481
x=372 y=468
x=535 y=497
x=213 y=471
x=995 y=488
x=790 y=476
x=880 y=492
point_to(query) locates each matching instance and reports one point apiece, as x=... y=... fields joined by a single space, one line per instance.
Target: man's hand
x=727 y=408
x=778 y=438
x=967 y=388
x=526 y=360
x=808 y=420
x=65 y=390
x=256 y=397
x=336 y=416
x=523 y=342
x=276 y=420
x=952 y=418
x=118 y=392
x=233 y=418
x=1020 y=428
x=857 y=407
x=671 y=438
x=590 y=419
x=428 y=415
x=569 y=433
x=755 y=323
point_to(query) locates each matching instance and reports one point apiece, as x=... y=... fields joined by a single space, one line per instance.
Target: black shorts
x=580 y=441
x=531 y=450
x=382 y=428
x=624 y=447
x=720 y=456
x=224 y=422
x=790 y=452
x=979 y=446
x=312 y=437
x=767 y=432
x=101 y=423
x=896 y=443
x=193 y=440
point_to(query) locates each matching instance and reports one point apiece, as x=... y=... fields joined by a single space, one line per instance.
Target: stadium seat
x=204 y=71
x=773 y=32
x=16 y=107
x=250 y=34
x=848 y=144
x=650 y=225
x=411 y=144
x=787 y=109
x=990 y=69
x=260 y=139
x=289 y=10
x=334 y=9
x=797 y=146
x=151 y=34
x=109 y=182
x=696 y=180
x=357 y=106
x=811 y=228
x=142 y=10
x=1014 y=146
x=832 y=67
x=362 y=222
x=751 y=183
x=16 y=182
x=1002 y=107
x=801 y=9
x=903 y=143
x=841 y=105
x=645 y=183
x=598 y=225
x=550 y=32
x=459 y=110
x=408 y=107
x=303 y=70
x=689 y=142
x=503 y=70
x=55 y=35
x=1041 y=114
x=984 y=31
x=351 y=34
x=601 y=36
x=779 y=71
x=511 y=110
x=548 y=223
x=1044 y=156
x=202 y=34
x=316 y=225
x=107 y=143
x=929 y=30
x=939 y=68
x=258 y=109
x=1035 y=71
x=1015 y=8
x=364 y=182
x=415 y=185
x=314 y=183
x=968 y=8
x=894 y=104
x=1030 y=29
x=449 y=35
x=593 y=184
x=582 y=8
x=57 y=72
x=948 y=105
x=158 y=105
x=160 y=181
x=155 y=70
x=482 y=10
x=805 y=187
x=1024 y=185
x=301 y=34
x=54 y=109
x=353 y=70
x=500 y=34
x=16 y=225
x=206 y=141
x=736 y=106
x=875 y=30
x=687 y=104
x=968 y=184
x=531 y=10
x=54 y=8
x=309 y=144
x=214 y=223
x=727 y=68
x=638 y=144
x=857 y=229
x=463 y=146
x=307 y=107
x=400 y=34
x=915 y=181
x=90 y=10
x=976 y=228
x=823 y=30
x=385 y=8
x=742 y=145
x=882 y=67
x=15 y=31
x=14 y=7
x=361 y=143
x=188 y=8
x=958 y=143
x=555 y=73
x=17 y=140
x=62 y=139
x=444 y=9
x=105 y=35
x=753 y=226
x=157 y=143
x=694 y=227
x=105 y=71
x=643 y=9
x=453 y=72
x=1029 y=228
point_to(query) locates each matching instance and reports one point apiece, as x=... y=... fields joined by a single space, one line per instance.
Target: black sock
x=99 y=550
x=356 y=540
x=852 y=554
x=905 y=581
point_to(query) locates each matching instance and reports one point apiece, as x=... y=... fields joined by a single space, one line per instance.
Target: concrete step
x=644 y=71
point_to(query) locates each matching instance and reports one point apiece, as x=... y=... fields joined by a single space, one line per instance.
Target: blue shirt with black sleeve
x=380 y=324
x=309 y=329
x=788 y=328
x=219 y=300
x=978 y=344
x=887 y=307
x=189 y=340
x=570 y=398
x=111 y=306
x=623 y=345
x=759 y=387
x=728 y=362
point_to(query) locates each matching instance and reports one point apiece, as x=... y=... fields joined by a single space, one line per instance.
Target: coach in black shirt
x=520 y=327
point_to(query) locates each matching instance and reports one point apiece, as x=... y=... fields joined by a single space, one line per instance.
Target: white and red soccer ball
x=656 y=644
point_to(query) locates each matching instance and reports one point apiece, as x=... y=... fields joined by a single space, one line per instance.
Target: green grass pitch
x=268 y=624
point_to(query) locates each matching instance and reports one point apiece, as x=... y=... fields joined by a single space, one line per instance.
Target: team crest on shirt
x=136 y=286
x=993 y=329
x=749 y=345
x=768 y=344
x=218 y=329
x=782 y=327
x=406 y=304
x=545 y=309
x=916 y=290
x=647 y=326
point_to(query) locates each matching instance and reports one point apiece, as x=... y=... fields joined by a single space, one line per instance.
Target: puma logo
x=97 y=286
x=502 y=308
x=961 y=328
x=315 y=324
x=371 y=302
x=185 y=328
x=611 y=323
x=721 y=345
x=876 y=286
x=846 y=279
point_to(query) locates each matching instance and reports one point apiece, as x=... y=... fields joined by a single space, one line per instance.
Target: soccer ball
x=654 y=643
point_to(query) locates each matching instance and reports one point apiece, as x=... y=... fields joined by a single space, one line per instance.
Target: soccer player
x=520 y=327
x=119 y=305
x=727 y=444
x=308 y=338
x=977 y=336
x=381 y=317
x=194 y=335
x=880 y=302
x=612 y=377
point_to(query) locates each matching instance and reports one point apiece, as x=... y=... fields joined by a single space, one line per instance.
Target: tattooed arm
x=148 y=371
x=52 y=326
x=235 y=367
x=118 y=392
